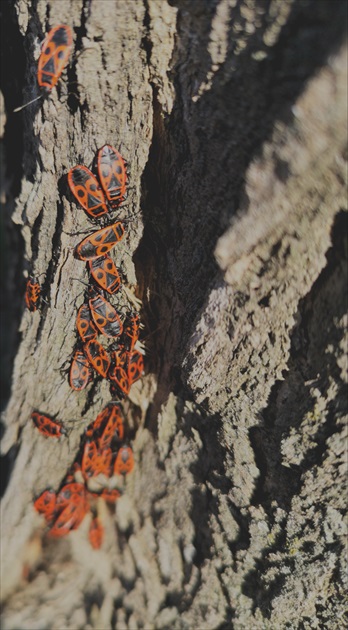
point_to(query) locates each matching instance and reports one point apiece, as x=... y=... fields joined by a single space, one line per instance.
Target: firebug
x=112 y=174
x=45 y=504
x=54 y=56
x=96 y=533
x=135 y=366
x=131 y=331
x=107 y=426
x=84 y=324
x=104 y=272
x=85 y=188
x=32 y=294
x=80 y=372
x=124 y=462
x=70 y=517
x=110 y=496
x=46 y=425
x=104 y=315
x=55 y=52
x=97 y=356
x=70 y=492
x=119 y=382
x=100 y=242
x=95 y=461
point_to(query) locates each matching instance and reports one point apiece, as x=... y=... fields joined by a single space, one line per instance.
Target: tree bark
x=232 y=117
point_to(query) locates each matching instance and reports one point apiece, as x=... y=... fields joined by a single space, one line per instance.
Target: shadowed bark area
x=232 y=116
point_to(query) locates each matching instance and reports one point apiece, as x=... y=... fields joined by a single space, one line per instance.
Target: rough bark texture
x=232 y=117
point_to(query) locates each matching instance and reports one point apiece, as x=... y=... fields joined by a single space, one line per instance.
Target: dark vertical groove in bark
x=73 y=101
x=11 y=246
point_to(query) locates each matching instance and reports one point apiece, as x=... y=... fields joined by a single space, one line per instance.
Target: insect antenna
x=18 y=109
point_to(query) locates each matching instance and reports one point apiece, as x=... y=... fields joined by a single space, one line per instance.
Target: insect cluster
x=120 y=363
x=102 y=457
x=107 y=334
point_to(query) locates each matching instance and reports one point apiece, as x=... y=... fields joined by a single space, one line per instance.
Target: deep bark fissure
x=12 y=245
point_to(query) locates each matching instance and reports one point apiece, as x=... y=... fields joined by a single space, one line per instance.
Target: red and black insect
x=54 y=56
x=112 y=427
x=97 y=356
x=32 y=294
x=55 y=52
x=80 y=372
x=119 y=357
x=110 y=496
x=71 y=516
x=104 y=462
x=65 y=509
x=69 y=492
x=125 y=369
x=85 y=188
x=112 y=174
x=95 y=461
x=89 y=459
x=124 y=462
x=117 y=375
x=104 y=315
x=93 y=429
x=109 y=433
x=135 y=366
x=104 y=272
x=107 y=426
x=96 y=533
x=119 y=381
x=46 y=504
x=131 y=331
x=46 y=425
x=84 y=324
x=100 y=242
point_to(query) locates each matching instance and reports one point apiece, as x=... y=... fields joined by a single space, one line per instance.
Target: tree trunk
x=232 y=117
